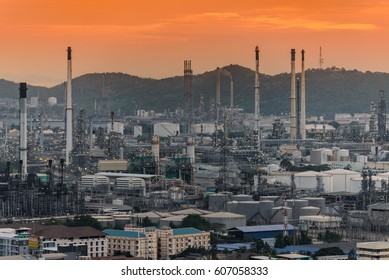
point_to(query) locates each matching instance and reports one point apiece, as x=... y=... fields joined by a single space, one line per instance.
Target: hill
x=328 y=91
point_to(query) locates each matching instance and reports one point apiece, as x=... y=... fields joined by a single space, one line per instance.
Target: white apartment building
x=72 y=237
x=14 y=241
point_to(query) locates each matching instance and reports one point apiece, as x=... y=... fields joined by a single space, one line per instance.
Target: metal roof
x=181 y=231
x=263 y=228
x=124 y=233
x=135 y=175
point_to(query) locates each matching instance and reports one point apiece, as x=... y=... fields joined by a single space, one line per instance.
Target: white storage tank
x=319 y=202
x=138 y=130
x=52 y=101
x=228 y=220
x=272 y=168
x=308 y=180
x=362 y=159
x=341 y=179
x=130 y=183
x=232 y=206
x=309 y=211
x=277 y=200
x=241 y=197
x=296 y=205
x=356 y=183
x=166 y=129
x=218 y=201
x=278 y=214
x=258 y=212
x=343 y=155
x=95 y=183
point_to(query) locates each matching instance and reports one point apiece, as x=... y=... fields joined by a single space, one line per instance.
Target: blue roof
x=234 y=246
x=124 y=233
x=181 y=231
x=279 y=227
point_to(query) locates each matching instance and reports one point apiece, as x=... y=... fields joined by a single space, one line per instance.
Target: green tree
x=283 y=241
x=303 y=238
x=196 y=221
x=329 y=237
x=146 y=222
x=330 y=251
x=83 y=220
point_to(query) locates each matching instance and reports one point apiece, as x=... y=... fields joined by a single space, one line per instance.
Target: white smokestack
x=190 y=150
x=227 y=73
x=69 y=109
x=256 y=87
x=302 y=97
x=293 y=131
x=23 y=128
x=155 y=147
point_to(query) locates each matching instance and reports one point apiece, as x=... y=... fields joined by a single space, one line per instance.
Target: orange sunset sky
x=152 y=38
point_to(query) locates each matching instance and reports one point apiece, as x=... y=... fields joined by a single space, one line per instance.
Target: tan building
x=373 y=250
x=174 y=241
x=138 y=242
x=150 y=243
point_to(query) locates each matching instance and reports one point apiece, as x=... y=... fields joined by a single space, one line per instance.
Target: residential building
x=151 y=243
x=138 y=242
x=174 y=241
x=14 y=242
x=84 y=240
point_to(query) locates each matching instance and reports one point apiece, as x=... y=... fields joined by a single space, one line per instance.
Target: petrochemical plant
x=230 y=167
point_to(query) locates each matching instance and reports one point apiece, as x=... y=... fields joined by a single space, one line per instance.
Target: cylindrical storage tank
x=52 y=101
x=326 y=154
x=272 y=168
x=319 y=202
x=296 y=205
x=121 y=220
x=105 y=221
x=335 y=151
x=155 y=147
x=309 y=211
x=277 y=200
x=265 y=212
x=228 y=220
x=218 y=201
x=130 y=183
x=278 y=214
x=232 y=206
x=362 y=159
x=316 y=156
x=342 y=154
x=241 y=197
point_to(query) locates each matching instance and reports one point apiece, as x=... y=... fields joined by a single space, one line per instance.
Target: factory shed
x=261 y=232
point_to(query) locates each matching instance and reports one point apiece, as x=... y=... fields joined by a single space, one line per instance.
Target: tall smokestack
x=256 y=111
x=112 y=121
x=218 y=86
x=23 y=129
x=69 y=109
x=293 y=97
x=302 y=97
x=232 y=95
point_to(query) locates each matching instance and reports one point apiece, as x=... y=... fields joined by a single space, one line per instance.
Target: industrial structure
x=232 y=168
